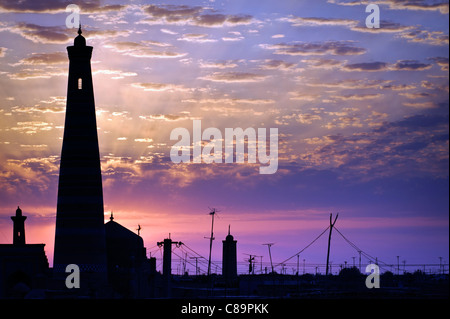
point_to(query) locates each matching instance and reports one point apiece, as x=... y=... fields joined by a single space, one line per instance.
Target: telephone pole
x=212 y=213
x=270 y=255
x=196 y=264
x=167 y=263
x=329 y=238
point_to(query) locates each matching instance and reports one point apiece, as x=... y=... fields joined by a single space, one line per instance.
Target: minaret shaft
x=80 y=234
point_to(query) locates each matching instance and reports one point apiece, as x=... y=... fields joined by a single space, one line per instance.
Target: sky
x=362 y=117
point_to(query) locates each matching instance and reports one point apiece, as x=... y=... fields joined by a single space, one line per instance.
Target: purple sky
x=362 y=116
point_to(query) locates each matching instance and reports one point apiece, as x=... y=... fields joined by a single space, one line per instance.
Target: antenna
x=270 y=255
x=139 y=229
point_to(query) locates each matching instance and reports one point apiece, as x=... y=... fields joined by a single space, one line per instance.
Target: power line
x=205 y=259
x=369 y=257
x=284 y=261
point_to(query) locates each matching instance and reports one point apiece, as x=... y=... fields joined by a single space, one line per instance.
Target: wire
x=369 y=257
x=206 y=260
x=303 y=248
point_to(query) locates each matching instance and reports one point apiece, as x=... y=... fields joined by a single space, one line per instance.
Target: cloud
x=196 y=38
x=302 y=118
x=55 y=104
x=41 y=34
x=188 y=15
x=172 y=13
x=214 y=20
x=416 y=5
x=416 y=95
x=385 y=27
x=416 y=145
x=228 y=64
x=270 y=64
x=27 y=74
x=410 y=65
x=318 y=63
x=143 y=140
x=116 y=74
x=437 y=38
x=161 y=87
x=354 y=25
x=442 y=62
x=168 y=31
x=104 y=34
x=54 y=6
x=167 y=117
x=353 y=84
x=310 y=22
x=234 y=77
x=32 y=127
x=420 y=105
x=366 y=66
x=45 y=59
x=29 y=175
x=2 y=52
x=142 y=50
x=233 y=37
x=301 y=96
x=59 y=34
x=229 y=101
x=401 y=65
x=357 y=97
x=315 y=48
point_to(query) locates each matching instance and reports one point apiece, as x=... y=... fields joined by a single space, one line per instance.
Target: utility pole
x=167 y=262
x=196 y=264
x=212 y=213
x=329 y=238
x=251 y=268
x=359 y=251
x=270 y=255
x=260 y=264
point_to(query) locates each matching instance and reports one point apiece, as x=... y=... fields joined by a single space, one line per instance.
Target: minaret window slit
x=80 y=83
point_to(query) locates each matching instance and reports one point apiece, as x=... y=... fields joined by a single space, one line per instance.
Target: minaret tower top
x=18 y=227
x=79 y=40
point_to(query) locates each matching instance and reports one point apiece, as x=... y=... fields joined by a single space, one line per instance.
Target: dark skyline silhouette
x=112 y=255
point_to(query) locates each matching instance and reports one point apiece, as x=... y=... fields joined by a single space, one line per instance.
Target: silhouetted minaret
x=80 y=232
x=19 y=227
x=229 y=262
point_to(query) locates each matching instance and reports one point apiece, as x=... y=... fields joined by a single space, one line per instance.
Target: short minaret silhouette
x=229 y=259
x=19 y=227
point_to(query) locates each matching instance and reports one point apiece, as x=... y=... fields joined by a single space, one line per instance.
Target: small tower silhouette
x=19 y=227
x=229 y=263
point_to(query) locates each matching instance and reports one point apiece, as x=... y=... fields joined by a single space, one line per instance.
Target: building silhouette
x=128 y=266
x=23 y=267
x=80 y=231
